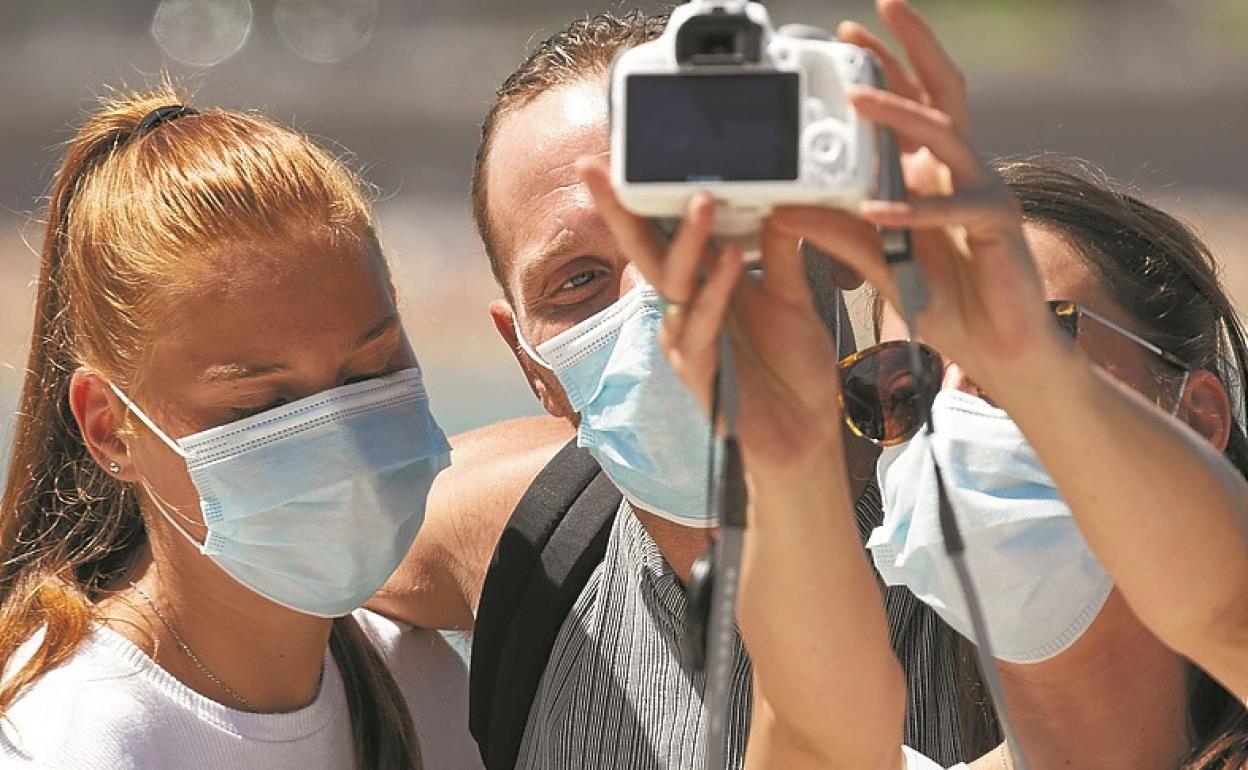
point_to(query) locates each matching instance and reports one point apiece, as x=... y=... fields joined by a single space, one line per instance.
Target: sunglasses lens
x=882 y=399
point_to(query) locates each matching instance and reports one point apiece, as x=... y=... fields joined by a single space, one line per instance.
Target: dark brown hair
x=128 y=216
x=583 y=49
x=1161 y=273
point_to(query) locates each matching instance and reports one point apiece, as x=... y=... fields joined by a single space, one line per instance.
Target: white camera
x=724 y=103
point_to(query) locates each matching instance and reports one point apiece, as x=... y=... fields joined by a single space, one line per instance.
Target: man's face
x=561 y=264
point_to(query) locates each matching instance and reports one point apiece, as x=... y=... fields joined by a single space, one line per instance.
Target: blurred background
x=1155 y=91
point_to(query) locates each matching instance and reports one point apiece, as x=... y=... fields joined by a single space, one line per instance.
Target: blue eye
x=580 y=279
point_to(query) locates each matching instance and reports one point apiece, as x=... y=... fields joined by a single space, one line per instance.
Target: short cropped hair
x=583 y=49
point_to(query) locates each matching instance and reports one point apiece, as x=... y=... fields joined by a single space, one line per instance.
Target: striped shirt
x=619 y=694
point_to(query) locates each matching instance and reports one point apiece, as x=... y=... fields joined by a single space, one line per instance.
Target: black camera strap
x=730 y=499
x=914 y=298
x=955 y=549
x=912 y=290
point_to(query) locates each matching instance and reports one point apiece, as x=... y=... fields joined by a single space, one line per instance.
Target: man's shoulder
x=491 y=467
x=439 y=582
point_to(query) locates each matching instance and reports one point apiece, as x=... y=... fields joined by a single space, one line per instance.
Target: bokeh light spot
x=202 y=32
x=325 y=30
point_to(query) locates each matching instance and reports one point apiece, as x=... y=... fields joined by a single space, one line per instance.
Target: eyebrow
x=553 y=251
x=235 y=371
x=383 y=326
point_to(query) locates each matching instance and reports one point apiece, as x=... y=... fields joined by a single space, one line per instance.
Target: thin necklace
x=186 y=649
x=1004 y=764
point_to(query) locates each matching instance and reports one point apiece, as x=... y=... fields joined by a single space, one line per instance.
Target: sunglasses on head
x=884 y=404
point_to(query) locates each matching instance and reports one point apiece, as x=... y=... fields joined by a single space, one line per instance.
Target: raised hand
x=987 y=309
x=786 y=360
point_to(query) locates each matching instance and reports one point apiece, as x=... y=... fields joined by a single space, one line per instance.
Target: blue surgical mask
x=1039 y=584
x=314 y=504
x=638 y=419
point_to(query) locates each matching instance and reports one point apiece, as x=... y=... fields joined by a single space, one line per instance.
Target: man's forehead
x=534 y=191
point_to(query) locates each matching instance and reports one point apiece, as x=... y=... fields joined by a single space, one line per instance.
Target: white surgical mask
x=638 y=419
x=314 y=504
x=1038 y=582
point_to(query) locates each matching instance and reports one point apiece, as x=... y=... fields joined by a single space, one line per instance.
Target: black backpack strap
x=555 y=538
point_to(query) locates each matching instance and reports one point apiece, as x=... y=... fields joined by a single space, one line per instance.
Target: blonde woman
x=223 y=449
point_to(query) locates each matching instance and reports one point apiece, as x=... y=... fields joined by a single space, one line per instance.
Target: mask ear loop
x=160 y=434
x=171 y=514
x=528 y=349
x=1178 y=401
x=169 y=511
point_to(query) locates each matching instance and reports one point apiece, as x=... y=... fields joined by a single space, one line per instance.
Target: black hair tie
x=162 y=115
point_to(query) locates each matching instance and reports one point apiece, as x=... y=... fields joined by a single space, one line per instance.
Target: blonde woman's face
x=258 y=330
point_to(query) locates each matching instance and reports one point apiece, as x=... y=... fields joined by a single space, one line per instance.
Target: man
x=578 y=660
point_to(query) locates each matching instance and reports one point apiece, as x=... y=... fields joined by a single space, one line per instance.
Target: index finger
x=944 y=82
x=899 y=78
x=635 y=236
x=848 y=239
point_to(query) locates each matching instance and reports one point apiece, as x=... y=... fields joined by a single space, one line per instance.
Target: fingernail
x=583 y=164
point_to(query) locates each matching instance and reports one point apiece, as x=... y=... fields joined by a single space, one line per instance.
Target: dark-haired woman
x=223 y=450
x=1089 y=360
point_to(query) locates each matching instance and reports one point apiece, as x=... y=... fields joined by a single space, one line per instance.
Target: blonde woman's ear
x=98 y=414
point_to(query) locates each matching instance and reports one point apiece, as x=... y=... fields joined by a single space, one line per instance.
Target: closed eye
x=243 y=412
x=370 y=376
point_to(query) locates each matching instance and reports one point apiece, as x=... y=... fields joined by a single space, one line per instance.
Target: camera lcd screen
x=712 y=128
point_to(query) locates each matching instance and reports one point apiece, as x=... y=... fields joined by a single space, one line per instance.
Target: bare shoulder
x=491 y=468
x=507 y=449
x=439 y=582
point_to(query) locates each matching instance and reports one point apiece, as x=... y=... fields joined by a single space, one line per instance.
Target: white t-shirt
x=916 y=761
x=111 y=706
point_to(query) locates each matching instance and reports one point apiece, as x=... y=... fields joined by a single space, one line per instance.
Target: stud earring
x=113 y=467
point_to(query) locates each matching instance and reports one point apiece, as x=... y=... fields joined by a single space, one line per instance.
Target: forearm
x=812 y=617
x=772 y=744
x=1158 y=504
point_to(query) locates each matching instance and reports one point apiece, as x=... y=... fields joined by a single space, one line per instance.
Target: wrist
x=1043 y=380
x=814 y=474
